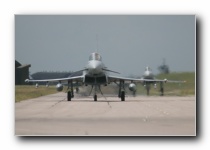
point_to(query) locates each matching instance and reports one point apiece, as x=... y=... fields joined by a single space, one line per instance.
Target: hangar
x=21 y=73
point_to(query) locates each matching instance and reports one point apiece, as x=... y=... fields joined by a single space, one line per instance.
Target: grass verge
x=24 y=92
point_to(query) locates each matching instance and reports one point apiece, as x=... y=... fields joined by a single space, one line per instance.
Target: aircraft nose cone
x=94 y=67
x=147 y=73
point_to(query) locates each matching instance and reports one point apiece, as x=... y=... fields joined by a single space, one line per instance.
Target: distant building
x=21 y=73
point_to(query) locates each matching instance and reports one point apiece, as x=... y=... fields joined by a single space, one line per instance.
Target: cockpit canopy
x=95 y=56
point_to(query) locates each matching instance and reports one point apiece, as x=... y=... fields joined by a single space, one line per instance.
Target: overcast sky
x=127 y=43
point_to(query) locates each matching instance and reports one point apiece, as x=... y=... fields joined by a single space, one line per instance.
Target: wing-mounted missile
x=59 y=87
x=132 y=87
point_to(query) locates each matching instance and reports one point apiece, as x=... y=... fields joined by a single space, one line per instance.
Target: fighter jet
x=148 y=75
x=94 y=74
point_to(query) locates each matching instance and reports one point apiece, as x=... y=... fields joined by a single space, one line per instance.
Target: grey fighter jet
x=148 y=75
x=95 y=74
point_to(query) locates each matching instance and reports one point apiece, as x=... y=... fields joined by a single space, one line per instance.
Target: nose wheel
x=95 y=97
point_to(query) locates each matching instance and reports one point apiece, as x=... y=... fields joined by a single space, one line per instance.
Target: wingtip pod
x=165 y=80
x=27 y=80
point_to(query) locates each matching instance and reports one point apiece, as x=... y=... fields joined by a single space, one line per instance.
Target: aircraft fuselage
x=94 y=73
x=148 y=75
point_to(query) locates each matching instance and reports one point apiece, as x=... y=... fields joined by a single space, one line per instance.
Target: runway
x=136 y=116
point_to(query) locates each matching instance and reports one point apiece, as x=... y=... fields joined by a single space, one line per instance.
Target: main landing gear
x=70 y=91
x=121 y=93
x=161 y=89
x=95 y=97
x=147 y=86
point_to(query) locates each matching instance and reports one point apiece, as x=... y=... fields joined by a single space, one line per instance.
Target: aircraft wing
x=165 y=80
x=116 y=78
x=75 y=78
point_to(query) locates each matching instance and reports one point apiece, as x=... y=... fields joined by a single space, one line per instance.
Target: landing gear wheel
x=123 y=96
x=161 y=91
x=148 y=88
x=69 y=96
x=95 y=97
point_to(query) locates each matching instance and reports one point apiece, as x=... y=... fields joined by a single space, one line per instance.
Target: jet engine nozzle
x=132 y=87
x=59 y=87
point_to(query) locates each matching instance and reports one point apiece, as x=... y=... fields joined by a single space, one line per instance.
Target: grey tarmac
x=109 y=116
